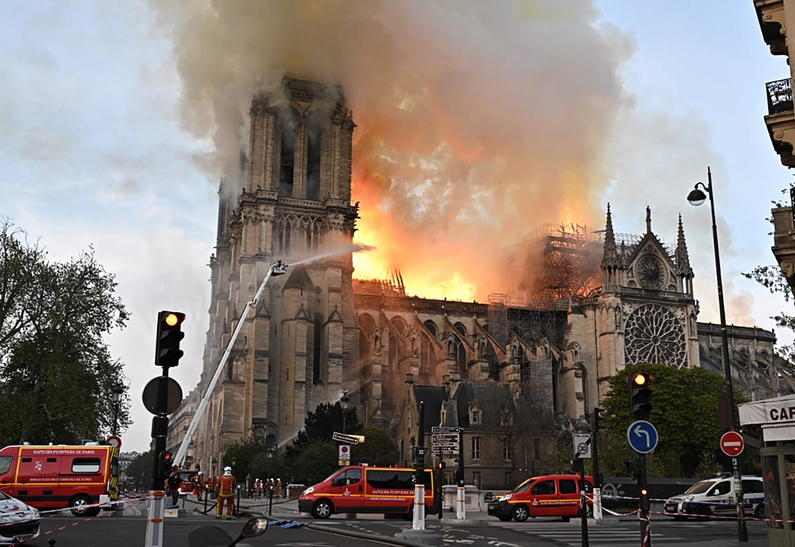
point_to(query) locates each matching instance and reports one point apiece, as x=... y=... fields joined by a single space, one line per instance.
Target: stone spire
x=648 y=219
x=681 y=257
x=610 y=259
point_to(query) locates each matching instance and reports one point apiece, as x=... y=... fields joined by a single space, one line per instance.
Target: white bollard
x=154 y=523
x=597 y=503
x=419 y=507
x=461 y=503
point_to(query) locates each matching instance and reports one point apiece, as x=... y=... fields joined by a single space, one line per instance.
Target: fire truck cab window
x=85 y=465
x=5 y=464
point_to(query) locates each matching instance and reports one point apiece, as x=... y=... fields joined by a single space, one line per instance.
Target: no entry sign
x=732 y=444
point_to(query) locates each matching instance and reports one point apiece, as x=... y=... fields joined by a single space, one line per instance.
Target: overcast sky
x=93 y=153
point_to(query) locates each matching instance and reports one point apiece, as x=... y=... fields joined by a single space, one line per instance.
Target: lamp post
x=117 y=393
x=344 y=401
x=270 y=451
x=697 y=197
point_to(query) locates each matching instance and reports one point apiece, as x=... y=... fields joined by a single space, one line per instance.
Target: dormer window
x=475 y=417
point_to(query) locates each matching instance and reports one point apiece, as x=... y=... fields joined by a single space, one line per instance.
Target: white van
x=715 y=496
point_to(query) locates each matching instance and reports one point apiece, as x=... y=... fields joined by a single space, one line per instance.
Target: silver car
x=18 y=521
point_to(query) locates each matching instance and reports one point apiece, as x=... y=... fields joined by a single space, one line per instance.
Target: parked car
x=715 y=496
x=544 y=496
x=18 y=521
x=363 y=489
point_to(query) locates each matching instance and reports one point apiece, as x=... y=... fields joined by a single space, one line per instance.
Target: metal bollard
x=270 y=502
x=206 y=494
x=461 y=502
x=237 y=509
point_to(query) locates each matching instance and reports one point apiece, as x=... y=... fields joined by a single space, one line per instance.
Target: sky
x=106 y=143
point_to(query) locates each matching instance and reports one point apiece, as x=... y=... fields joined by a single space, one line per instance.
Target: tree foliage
x=56 y=372
x=378 y=448
x=140 y=470
x=320 y=425
x=685 y=414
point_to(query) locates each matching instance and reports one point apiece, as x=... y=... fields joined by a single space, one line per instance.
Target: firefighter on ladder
x=227 y=486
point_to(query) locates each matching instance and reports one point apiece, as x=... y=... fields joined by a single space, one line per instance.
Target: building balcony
x=770 y=14
x=784 y=241
x=780 y=120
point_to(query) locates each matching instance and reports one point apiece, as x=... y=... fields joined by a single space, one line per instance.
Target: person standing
x=172 y=485
x=226 y=493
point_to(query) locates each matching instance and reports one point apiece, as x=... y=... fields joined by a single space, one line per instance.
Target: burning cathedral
x=515 y=373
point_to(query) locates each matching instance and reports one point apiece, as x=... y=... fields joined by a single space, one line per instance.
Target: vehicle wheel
x=703 y=513
x=680 y=517
x=520 y=513
x=410 y=514
x=565 y=519
x=79 y=506
x=322 y=509
x=759 y=512
x=504 y=519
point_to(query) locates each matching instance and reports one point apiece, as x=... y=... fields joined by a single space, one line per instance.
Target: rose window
x=653 y=334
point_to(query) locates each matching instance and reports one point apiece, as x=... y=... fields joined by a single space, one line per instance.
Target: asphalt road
x=128 y=528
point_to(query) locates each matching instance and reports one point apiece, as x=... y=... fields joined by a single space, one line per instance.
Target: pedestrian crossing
x=565 y=535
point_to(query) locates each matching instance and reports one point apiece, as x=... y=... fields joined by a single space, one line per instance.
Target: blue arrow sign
x=642 y=436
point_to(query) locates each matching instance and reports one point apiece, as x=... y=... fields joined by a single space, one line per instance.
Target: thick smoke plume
x=476 y=121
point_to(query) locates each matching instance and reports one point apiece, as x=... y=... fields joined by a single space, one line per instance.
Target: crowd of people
x=223 y=486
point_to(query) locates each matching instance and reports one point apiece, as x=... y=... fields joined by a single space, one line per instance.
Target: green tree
x=56 y=372
x=378 y=448
x=319 y=426
x=140 y=470
x=685 y=414
x=318 y=460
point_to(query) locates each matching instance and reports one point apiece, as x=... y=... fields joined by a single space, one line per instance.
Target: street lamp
x=697 y=197
x=269 y=451
x=118 y=390
x=344 y=401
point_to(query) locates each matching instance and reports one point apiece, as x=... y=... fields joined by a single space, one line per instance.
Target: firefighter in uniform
x=226 y=492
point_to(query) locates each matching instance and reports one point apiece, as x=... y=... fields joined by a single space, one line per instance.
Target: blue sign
x=642 y=436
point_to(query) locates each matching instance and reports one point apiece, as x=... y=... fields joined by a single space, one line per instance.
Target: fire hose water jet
x=275 y=269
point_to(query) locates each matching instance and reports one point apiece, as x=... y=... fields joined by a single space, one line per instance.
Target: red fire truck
x=61 y=476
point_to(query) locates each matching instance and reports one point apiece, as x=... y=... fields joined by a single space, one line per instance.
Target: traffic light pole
x=154 y=522
x=643 y=504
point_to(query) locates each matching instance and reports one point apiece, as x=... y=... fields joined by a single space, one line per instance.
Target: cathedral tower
x=291 y=203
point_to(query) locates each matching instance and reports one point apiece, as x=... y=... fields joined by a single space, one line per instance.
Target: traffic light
x=440 y=465
x=597 y=416
x=643 y=499
x=165 y=462
x=640 y=395
x=169 y=335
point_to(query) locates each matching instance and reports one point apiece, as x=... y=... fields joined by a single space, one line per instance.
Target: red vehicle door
x=346 y=490
x=8 y=469
x=569 y=497
x=544 y=498
x=82 y=476
x=37 y=479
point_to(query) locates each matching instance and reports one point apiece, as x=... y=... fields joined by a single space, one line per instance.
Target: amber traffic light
x=640 y=395
x=169 y=336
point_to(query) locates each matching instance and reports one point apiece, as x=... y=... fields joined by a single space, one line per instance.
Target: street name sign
x=444 y=438
x=642 y=436
x=732 y=443
x=439 y=429
x=350 y=439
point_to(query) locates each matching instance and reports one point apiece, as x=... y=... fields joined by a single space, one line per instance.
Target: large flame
x=476 y=121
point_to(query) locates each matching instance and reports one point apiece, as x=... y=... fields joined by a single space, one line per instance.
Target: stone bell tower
x=292 y=204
